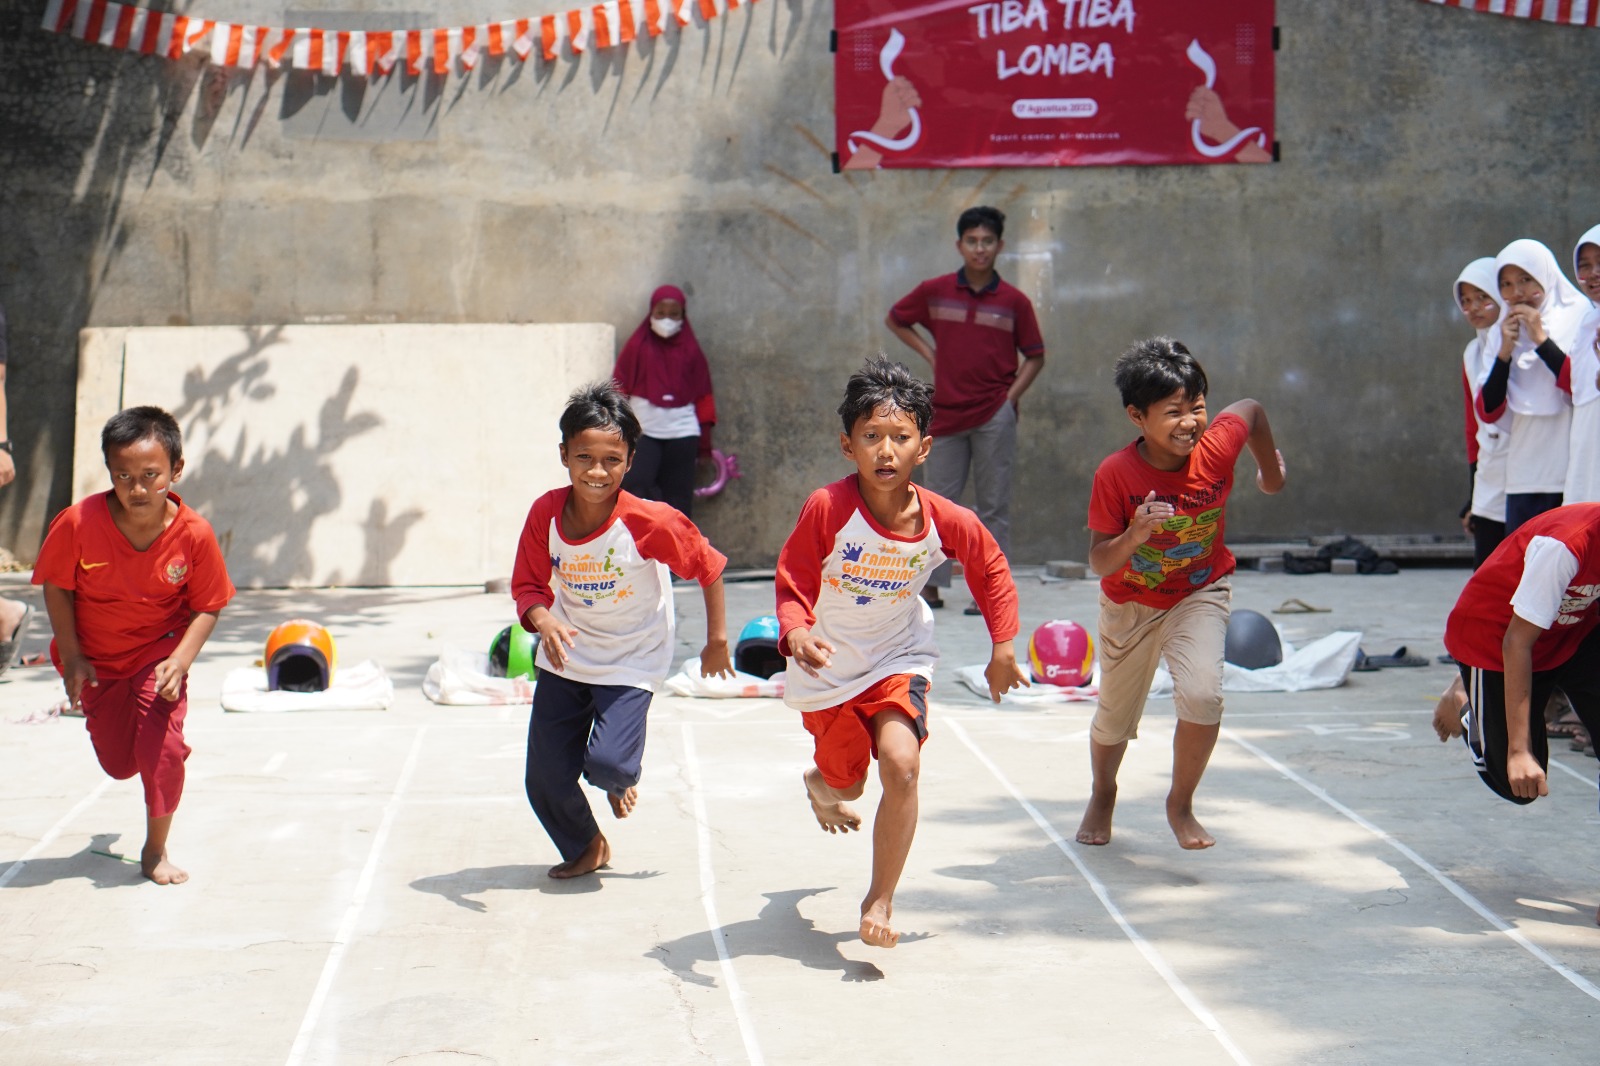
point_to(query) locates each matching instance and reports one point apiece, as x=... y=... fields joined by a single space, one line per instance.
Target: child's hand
x=1530 y=323
x=76 y=673
x=812 y=654
x=1149 y=515
x=714 y=659
x=1273 y=484
x=169 y=677
x=552 y=636
x=1525 y=776
x=1003 y=673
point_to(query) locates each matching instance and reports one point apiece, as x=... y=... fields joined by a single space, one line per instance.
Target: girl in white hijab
x=1583 y=452
x=1529 y=381
x=1476 y=295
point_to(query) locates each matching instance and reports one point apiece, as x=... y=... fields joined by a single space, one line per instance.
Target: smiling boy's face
x=1172 y=427
x=596 y=459
x=886 y=447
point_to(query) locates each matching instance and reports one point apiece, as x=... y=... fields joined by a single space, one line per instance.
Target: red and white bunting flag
x=333 y=49
x=382 y=52
x=552 y=29
x=470 y=47
x=604 y=35
x=355 y=53
x=414 y=53
x=656 y=14
x=285 y=40
x=681 y=10
x=237 y=46
x=439 y=46
x=494 y=38
x=629 y=22
x=580 y=24
x=58 y=15
x=710 y=9
x=1566 y=12
x=522 y=38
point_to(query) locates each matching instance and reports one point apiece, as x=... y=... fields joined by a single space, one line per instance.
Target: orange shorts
x=845 y=745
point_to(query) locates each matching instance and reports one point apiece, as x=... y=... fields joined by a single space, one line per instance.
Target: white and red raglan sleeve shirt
x=614 y=586
x=1546 y=573
x=856 y=586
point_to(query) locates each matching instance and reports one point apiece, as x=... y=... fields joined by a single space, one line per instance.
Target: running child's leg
x=839 y=772
x=1129 y=647
x=160 y=750
x=1193 y=638
x=899 y=763
x=614 y=760
x=558 y=736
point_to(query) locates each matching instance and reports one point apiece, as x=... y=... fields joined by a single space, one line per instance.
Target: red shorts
x=845 y=746
x=135 y=731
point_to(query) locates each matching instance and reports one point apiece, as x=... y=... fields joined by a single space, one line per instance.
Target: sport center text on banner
x=958 y=83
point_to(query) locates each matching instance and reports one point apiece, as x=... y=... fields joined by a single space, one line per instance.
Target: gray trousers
x=988 y=452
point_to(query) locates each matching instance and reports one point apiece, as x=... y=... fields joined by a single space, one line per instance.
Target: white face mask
x=666 y=327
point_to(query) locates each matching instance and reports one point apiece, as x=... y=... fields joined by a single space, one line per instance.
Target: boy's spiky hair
x=1154 y=369
x=881 y=382
x=141 y=423
x=600 y=405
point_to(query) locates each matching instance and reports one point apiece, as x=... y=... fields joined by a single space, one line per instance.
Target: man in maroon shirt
x=985 y=351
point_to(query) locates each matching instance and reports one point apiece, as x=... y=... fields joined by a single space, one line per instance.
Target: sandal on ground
x=1399 y=658
x=930 y=596
x=10 y=648
x=1299 y=606
x=973 y=609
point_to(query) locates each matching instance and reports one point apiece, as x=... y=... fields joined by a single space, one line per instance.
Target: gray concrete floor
x=370 y=887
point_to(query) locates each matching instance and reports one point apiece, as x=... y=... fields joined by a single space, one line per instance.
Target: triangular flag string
x=441 y=49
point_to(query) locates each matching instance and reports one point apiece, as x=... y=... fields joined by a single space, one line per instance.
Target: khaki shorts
x=1133 y=639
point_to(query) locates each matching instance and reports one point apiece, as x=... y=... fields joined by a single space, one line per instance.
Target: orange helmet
x=300 y=657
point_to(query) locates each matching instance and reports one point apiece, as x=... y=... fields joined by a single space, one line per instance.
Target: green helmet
x=511 y=653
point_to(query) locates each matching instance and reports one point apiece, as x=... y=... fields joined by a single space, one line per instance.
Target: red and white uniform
x=1546 y=573
x=856 y=585
x=131 y=608
x=613 y=586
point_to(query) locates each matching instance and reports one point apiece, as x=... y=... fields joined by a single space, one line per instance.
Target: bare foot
x=1096 y=825
x=596 y=855
x=1192 y=836
x=875 y=929
x=835 y=816
x=622 y=805
x=158 y=868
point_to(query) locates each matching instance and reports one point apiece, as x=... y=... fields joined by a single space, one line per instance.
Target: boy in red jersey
x=591 y=579
x=1527 y=622
x=860 y=637
x=133 y=582
x=1155 y=536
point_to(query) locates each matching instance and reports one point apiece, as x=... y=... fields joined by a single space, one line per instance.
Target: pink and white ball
x=1061 y=652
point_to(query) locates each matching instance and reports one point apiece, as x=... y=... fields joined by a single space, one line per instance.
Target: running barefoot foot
x=596 y=855
x=1192 y=836
x=159 y=869
x=875 y=929
x=1096 y=825
x=835 y=816
x=622 y=805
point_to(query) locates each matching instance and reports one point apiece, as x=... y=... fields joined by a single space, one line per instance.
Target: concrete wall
x=350 y=455
x=139 y=192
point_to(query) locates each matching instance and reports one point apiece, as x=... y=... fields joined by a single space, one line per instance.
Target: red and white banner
x=442 y=50
x=1565 y=12
x=1015 y=83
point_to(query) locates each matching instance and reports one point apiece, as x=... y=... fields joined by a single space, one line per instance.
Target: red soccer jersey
x=1187 y=552
x=130 y=607
x=1547 y=573
x=977 y=336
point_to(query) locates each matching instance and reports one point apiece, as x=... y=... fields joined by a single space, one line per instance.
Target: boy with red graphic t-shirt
x=860 y=638
x=133 y=582
x=592 y=580
x=1155 y=522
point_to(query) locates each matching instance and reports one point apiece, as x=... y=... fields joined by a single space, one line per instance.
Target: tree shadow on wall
x=264 y=499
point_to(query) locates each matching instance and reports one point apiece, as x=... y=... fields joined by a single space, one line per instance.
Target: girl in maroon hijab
x=664 y=373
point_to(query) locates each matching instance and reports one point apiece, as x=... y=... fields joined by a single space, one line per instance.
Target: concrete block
x=1344 y=566
x=1066 y=568
x=1270 y=564
x=351 y=455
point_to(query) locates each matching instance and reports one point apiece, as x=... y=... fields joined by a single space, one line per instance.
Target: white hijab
x=1585 y=363
x=1533 y=389
x=1480 y=273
